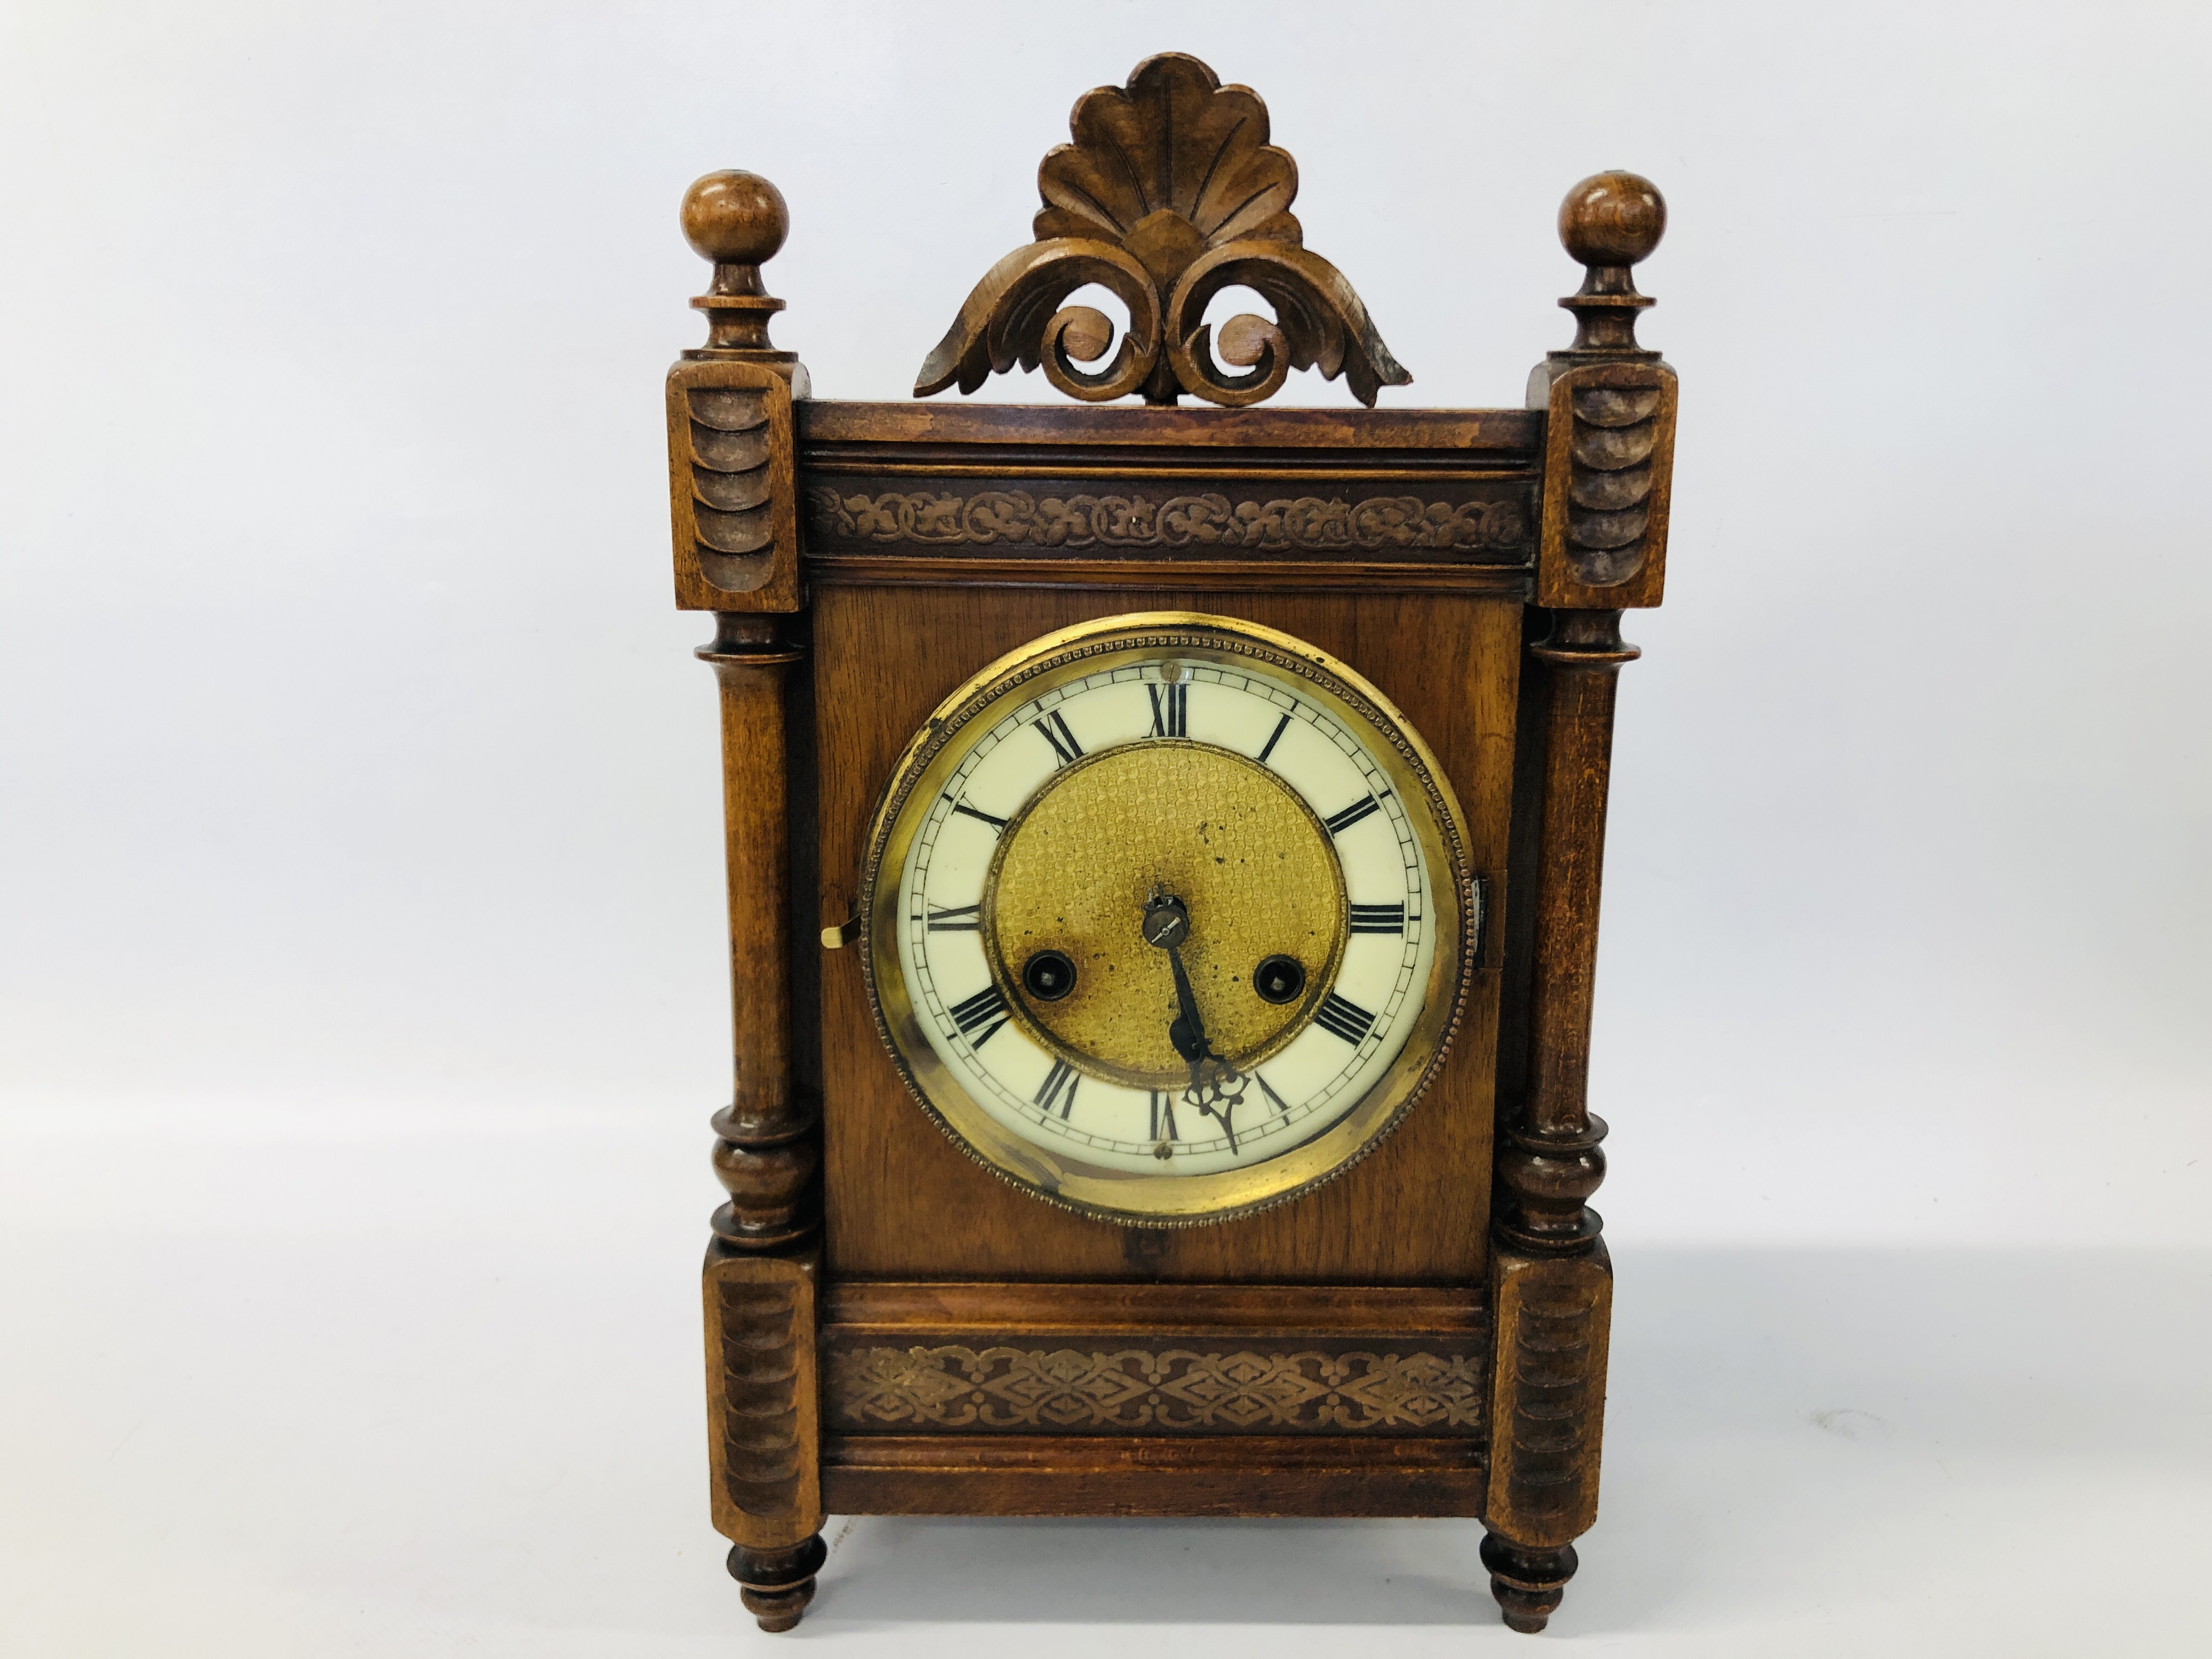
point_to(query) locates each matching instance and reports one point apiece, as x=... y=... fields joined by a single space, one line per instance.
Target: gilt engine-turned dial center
x=1167 y=916
x=1224 y=840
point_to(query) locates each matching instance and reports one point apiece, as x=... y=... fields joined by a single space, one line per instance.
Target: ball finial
x=735 y=218
x=1612 y=219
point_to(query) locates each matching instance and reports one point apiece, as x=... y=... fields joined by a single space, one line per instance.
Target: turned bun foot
x=775 y=1585
x=1528 y=1582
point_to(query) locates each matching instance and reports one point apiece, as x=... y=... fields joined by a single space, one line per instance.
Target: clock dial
x=1167 y=917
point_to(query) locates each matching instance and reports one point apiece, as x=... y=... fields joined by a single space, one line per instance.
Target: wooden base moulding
x=1150 y=1398
x=1063 y=1475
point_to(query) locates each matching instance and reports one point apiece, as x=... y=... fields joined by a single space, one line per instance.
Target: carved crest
x=1169 y=194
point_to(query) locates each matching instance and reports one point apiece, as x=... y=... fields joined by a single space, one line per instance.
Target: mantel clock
x=1163 y=847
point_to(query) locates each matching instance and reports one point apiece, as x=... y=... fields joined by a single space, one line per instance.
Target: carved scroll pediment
x=1169 y=193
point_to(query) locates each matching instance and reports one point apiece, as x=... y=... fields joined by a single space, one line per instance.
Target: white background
x=359 y=958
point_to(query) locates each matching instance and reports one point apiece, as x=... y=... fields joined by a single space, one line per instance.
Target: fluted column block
x=1609 y=448
x=764 y=1398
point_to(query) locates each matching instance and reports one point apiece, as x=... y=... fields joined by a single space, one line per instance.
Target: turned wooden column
x=766 y=1153
x=1549 y=1163
x=762 y=1276
x=732 y=490
x=1608 y=452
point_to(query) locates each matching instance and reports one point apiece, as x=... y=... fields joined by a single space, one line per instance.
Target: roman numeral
x=962 y=919
x=1351 y=815
x=1054 y=727
x=979 y=1017
x=1058 y=1089
x=1274 y=738
x=962 y=806
x=1341 y=1016
x=1170 y=709
x=1164 y=1127
x=1378 y=918
x=1275 y=1099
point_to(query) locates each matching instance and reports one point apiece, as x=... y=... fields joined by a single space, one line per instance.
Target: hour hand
x=1191 y=1047
x=1187 y=1030
x=1216 y=1086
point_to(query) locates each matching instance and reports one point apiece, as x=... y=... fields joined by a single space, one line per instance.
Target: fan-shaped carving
x=1175 y=140
x=1169 y=193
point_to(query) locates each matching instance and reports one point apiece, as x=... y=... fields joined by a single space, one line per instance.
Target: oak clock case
x=1167 y=916
x=1164 y=837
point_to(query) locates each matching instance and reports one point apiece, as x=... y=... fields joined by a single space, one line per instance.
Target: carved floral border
x=1303 y=524
x=952 y=1387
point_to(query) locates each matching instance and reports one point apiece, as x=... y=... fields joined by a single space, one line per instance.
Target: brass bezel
x=1169 y=1199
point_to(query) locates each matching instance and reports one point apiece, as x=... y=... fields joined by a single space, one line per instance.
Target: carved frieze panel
x=1418 y=1387
x=1421 y=521
x=1439 y=500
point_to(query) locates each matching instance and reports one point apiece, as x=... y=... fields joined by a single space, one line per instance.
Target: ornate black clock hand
x=1166 y=925
x=1188 y=1032
x=1216 y=1086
